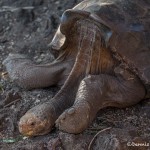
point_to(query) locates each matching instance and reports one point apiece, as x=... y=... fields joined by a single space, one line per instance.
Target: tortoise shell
x=126 y=30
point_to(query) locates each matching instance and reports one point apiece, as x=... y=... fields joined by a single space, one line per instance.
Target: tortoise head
x=36 y=121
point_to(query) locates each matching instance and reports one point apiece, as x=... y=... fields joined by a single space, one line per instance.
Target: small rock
x=75 y=142
x=39 y=60
x=146 y=111
x=37 y=101
x=54 y=144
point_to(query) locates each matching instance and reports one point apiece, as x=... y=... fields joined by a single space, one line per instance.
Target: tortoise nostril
x=32 y=123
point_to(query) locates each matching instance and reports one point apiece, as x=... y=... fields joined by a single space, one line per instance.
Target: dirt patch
x=27 y=27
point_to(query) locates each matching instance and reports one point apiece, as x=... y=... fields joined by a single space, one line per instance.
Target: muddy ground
x=27 y=27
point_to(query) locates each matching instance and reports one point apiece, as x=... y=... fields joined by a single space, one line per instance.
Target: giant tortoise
x=102 y=58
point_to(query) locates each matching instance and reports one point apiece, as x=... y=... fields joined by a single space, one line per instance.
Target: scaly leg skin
x=40 y=119
x=96 y=92
x=29 y=75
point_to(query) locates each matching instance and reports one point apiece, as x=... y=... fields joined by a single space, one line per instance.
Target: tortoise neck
x=100 y=59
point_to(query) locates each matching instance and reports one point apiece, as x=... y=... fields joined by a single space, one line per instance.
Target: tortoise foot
x=13 y=56
x=75 y=119
x=13 y=63
x=29 y=75
x=16 y=66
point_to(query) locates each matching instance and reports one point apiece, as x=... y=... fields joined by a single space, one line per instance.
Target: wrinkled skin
x=90 y=76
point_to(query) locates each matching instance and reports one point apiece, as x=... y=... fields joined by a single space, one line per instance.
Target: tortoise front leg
x=97 y=92
x=29 y=75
